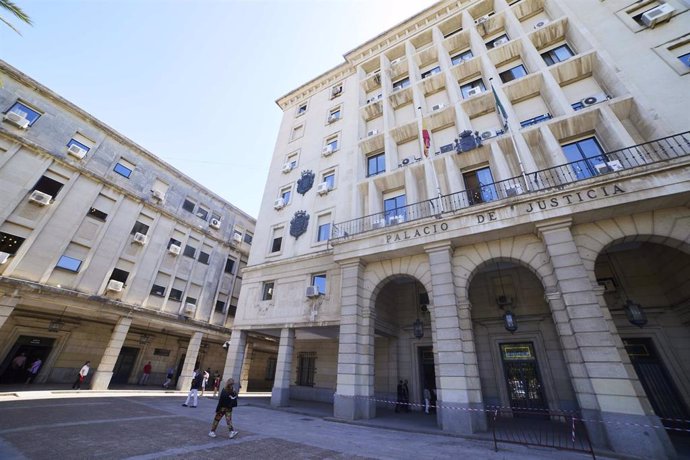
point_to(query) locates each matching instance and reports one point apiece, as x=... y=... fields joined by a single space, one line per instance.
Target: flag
x=426 y=138
x=500 y=109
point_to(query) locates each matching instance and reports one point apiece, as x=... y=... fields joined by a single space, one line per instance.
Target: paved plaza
x=153 y=425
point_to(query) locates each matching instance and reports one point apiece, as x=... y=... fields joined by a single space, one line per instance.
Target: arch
x=378 y=274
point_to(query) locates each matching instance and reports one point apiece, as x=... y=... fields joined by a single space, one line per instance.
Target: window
x=292 y=160
x=48 y=186
x=297 y=132
x=376 y=164
x=119 y=275
x=220 y=306
x=324 y=232
x=558 y=54
x=158 y=291
x=139 y=228
x=329 y=178
x=216 y=216
x=248 y=237
x=577 y=105
x=306 y=369
x=394 y=207
x=468 y=89
x=202 y=213
x=431 y=72
x=535 y=120
x=285 y=194
x=96 y=214
x=229 y=266
x=400 y=84
x=203 y=257
x=174 y=242
x=175 y=294
x=336 y=90
x=188 y=205
x=685 y=59
x=479 y=185
x=189 y=251
x=10 y=243
x=232 y=310
x=69 y=263
x=277 y=241
x=496 y=42
x=583 y=155
x=319 y=281
x=516 y=72
x=463 y=56
x=123 y=168
x=332 y=143
x=190 y=300
x=267 y=291
x=334 y=115
x=25 y=112
x=78 y=144
x=302 y=109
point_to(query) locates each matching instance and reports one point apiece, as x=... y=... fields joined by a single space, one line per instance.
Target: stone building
x=536 y=260
x=107 y=253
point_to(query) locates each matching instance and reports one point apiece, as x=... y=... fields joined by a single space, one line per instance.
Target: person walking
x=33 y=370
x=81 y=376
x=169 y=377
x=400 y=397
x=207 y=375
x=193 y=395
x=406 y=396
x=145 y=376
x=17 y=367
x=227 y=400
x=216 y=384
x=427 y=400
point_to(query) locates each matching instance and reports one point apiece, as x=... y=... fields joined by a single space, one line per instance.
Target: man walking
x=169 y=377
x=145 y=376
x=33 y=370
x=193 y=395
x=81 y=376
x=227 y=400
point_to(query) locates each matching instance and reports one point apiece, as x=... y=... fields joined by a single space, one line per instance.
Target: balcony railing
x=648 y=153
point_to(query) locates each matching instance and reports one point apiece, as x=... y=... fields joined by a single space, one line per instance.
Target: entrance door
x=427 y=374
x=124 y=365
x=32 y=348
x=525 y=390
x=660 y=389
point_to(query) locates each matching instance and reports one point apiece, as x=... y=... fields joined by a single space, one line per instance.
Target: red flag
x=427 y=139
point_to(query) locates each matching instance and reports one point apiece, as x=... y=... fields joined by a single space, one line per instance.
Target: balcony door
x=583 y=155
x=480 y=186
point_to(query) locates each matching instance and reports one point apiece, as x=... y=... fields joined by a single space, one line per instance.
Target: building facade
x=107 y=254
x=409 y=232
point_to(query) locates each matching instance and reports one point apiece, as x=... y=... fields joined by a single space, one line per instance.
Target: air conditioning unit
x=323 y=188
x=189 y=309
x=115 y=286
x=378 y=224
x=437 y=107
x=594 y=99
x=158 y=195
x=373 y=132
x=327 y=150
x=541 y=23
x=279 y=203
x=482 y=19
x=656 y=15
x=489 y=133
x=236 y=237
x=500 y=42
x=513 y=190
x=312 y=291
x=332 y=118
x=395 y=220
x=287 y=167
x=408 y=160
x=174 y=249
x=17 y=119
x=215 y=223
x=140 y=238
x=395 y=61
x=40 y=198
x=76 y=151
x=474 y=91
x=3 y=257
x=609 y=166
x=336 y=90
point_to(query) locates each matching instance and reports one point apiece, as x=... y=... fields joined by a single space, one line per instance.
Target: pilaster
x=280 y=395
x=104 y=372
x=188 y=368
x=235 y=357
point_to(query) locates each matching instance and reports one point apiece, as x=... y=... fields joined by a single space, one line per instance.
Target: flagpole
x=425 y=152
x=504 y=117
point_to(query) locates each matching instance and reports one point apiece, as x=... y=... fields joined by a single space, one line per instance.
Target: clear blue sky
x=194 y=82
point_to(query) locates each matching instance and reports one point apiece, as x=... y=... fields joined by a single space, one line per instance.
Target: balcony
x=629 y=158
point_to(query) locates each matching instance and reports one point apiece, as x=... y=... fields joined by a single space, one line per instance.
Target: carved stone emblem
x=305 y=183
x=299 y=223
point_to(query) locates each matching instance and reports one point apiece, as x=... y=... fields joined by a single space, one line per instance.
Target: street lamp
x=635 y=313
x=509 y=321
x=418 y=327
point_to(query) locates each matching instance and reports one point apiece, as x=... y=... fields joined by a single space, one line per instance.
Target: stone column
x=104 y=372
x=7 y=304
x=246 y=366
x=235 y=357
x=280 y=395
x=605 y=387
x=188 y=368
x=458 y=390
x=355 y=385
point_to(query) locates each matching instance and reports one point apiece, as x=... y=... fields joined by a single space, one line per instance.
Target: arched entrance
x=520 y=359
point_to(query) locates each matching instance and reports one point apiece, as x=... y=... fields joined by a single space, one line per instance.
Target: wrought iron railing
x=648 y=153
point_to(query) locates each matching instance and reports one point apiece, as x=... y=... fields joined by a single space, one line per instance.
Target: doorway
x=427 y=374
x=32 y=348
x=124 y=365
x=525 y=389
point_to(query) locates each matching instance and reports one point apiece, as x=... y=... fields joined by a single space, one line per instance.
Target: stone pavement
x=76 y=425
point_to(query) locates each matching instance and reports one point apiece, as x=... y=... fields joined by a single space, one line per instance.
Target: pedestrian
x=427 y=400
x=227 y=400
x=216 y=384
x=81 y=376
x=400 y=397
x=207 y=375
x=17 y=366
x=406 y=396
x=33 y=370
x=169 y=377
x=145 y=376
x=193 y=395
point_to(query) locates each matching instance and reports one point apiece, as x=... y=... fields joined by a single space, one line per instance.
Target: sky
x=194 y=81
